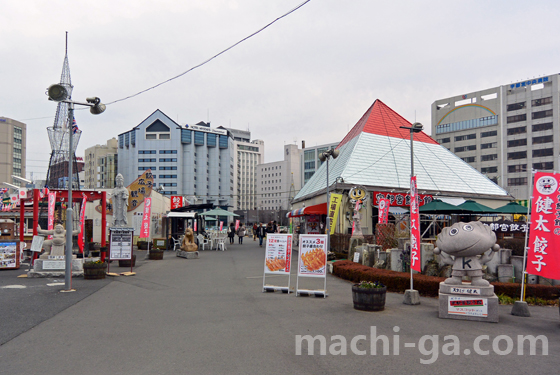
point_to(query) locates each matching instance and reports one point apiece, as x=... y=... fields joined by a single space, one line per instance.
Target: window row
x=467 y=124
x=536 y=154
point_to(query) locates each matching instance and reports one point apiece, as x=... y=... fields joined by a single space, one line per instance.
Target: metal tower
x=57 y=175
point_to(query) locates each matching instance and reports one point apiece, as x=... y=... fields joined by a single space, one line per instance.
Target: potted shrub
x=127 y=262
x=369 y=296
x=142 y=245
x=94 y=270
x=155 y=254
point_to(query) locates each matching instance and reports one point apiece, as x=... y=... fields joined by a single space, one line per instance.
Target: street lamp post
x=411 y=296
x=59 y=93
x=325 y=156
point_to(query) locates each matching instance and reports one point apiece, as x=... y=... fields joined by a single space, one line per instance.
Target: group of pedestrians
x=259 y=231
x=240 y=232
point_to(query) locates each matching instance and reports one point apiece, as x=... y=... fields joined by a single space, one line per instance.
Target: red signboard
x=383 y=211
x=543 y=258
x=176 y=201
x=400 y=199
x=145 y=229
x=414 y=227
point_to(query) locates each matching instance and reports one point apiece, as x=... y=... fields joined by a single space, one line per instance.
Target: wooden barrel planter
x=94 y=271
x=126 y=262
x=369 y=299
x=155 y=254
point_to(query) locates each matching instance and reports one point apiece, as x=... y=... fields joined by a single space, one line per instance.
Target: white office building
x=505 y=131
x=278 y=182
x=194 y=160
x=246 y=155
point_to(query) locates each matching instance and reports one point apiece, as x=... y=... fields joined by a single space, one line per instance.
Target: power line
x=196 y=66
x=213 y=57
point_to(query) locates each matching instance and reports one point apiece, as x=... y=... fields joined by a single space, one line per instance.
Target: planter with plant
x=94 y=270
x=369 y=296
x=155 y=254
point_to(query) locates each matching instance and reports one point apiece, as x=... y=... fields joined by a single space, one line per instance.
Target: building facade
x=101 y=165
x=310 y=161
x=247 y=155
x=193 y=160
x=278 y=182
x=13 y=137
x=504 y=132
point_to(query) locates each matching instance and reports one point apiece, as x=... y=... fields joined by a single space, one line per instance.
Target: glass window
x=211 y=139
x=199 y=138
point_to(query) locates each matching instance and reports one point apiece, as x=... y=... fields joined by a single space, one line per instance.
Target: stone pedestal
x=187 y=254
x=369 y=254
x=505 y=273
x=467 y=302
x=354 y=243
x=395 y=260
x=55 y=268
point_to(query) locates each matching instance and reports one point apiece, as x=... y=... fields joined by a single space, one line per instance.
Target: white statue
x=119 y=196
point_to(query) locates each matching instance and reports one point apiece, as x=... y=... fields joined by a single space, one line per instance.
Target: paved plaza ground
x=209 y=316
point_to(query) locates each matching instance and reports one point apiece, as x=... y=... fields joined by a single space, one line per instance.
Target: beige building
x=101 y=165
x=246 y=156
x=13 y=136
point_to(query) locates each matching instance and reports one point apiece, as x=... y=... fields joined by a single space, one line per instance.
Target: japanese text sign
x=176 y=201
x=334 y=207
x=400 y=199
x=312 y=253
x=278 y=253
x=383 y=206
x=414 y=227
x=145 y=229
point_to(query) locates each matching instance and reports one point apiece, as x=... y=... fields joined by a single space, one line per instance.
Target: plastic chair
x=176 y=244
x=202 y=241
x=221 y=244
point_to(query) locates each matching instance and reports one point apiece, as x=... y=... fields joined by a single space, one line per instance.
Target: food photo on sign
x=312 y=256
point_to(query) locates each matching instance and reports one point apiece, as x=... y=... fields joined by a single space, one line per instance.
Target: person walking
x=261 y=232
x=231 y=233
x=255 y=227
x=241 y=234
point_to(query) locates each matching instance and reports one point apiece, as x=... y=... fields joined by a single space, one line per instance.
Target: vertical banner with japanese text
x=221 y=226
x=383 y=215
x=414 y=227
x=82 y=223
x=50 y=223
x=543 y=257
x=236 y=225
x=334 y=207
x=146 y=218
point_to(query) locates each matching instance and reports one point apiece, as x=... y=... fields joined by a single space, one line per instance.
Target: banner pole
x=529 y=203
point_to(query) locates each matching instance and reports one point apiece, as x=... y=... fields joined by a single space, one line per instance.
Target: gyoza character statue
x=461 y=244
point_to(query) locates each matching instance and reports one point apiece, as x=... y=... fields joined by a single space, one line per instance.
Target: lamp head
x=57 y=92
x=417 y=127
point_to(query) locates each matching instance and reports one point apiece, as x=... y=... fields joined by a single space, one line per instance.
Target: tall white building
x=194 y=160
x=505 y=131
x=246 y=155
x=278 y=182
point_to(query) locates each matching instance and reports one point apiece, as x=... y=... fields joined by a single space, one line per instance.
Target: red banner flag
x=414 y=227
x=194 y=226
x=383 y=215
x=145 y=228
x=543 y=257
x=221 y=226
x=236 y=225
x=82 y=223
x=50 y=217
x=176 y=201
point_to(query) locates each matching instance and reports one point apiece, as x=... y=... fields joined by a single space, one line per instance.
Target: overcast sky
x=309 y=76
